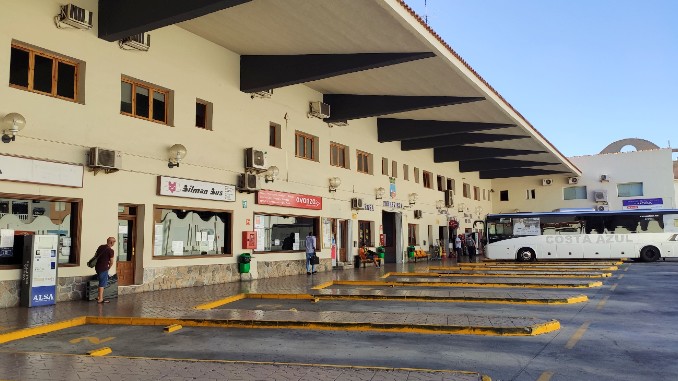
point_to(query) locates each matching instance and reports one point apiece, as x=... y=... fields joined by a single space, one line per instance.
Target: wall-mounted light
x=440 y=204
x=271 y=174
x=379 y=193
x=176 y=153
x=12 y=123
x=461 y=208
x=334 y=183
x=413 y=197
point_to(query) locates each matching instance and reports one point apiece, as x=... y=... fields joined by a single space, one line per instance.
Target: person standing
x=471 y=245
x=457 y=245
x=105 y=257
x=310 y=251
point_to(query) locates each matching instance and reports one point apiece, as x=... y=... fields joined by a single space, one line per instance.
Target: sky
x=584 y=73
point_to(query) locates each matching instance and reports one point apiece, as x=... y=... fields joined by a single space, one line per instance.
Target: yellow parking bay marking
x=614 y=287
x=546 y=376
x=235 y=298
x=172 y=327
x=100 y=352
x=91 y=339
x=602 y=302
x=465 y=284
x=27 y=332
x=620 y=276
x=577 y=335
x=627 y=268
x=543 y=263
x=507 y=274
x=522 y=268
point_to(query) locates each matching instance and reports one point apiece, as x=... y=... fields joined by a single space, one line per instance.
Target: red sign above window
x=290 y=200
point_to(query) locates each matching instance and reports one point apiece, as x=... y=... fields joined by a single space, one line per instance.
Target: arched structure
x=638 y=144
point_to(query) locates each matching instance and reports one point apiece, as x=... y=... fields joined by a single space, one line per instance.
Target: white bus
x=644 y=234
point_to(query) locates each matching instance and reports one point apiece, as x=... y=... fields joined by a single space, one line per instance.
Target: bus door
x=567 y=236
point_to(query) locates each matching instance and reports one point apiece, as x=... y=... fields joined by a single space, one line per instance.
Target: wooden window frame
x=55 y=65
x=384 y=166
x=368 y=226
x=416 y=175
x=394 y=169
x=466 y=190
x=306 y=137
x=428 y=180
x=334 y=161
x=363 y=156
x=451 y=185
x=412 y=232
x=504 y=195
x=274 y=136
x=476 y=193
x=151 y=89
x=406 y=172
x=209 y=109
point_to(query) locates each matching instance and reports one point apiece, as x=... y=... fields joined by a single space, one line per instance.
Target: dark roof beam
x=518 y=172
x=444 y=155
x=390 y=129
x=347 y=106
x=455 y=140
x=491 y=164
x=123 y=18
x=266 y=72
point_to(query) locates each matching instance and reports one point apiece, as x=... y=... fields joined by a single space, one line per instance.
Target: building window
x=43 y=73
x=286 y=232
x=476 y=193
x=364 y=162
x=365 y=233
x=144 y=101
x=531 y=194
x=451 y=185
x=484 y=194
x=406 y=172
x=203 y=114
x=574 y=193
x=466 y=188
x=394 y=169
x=384 y=166
x=306 y=146
x=503 y=195
x=27 y=216
x=338 y=155
x=412 y=230
x=630 y=189
x=416 y=175
x=187 y=232
x=428 y=180
x=440 y=182
x=274 y=135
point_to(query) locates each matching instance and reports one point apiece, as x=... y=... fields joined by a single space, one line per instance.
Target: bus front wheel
x=526 y=254
x=650 y=254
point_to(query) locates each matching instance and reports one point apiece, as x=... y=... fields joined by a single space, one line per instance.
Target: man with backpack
x=471 y=246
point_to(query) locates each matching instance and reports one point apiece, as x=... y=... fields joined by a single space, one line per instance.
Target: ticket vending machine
x=39 y=271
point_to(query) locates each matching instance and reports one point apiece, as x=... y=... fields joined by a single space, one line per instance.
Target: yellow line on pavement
x=466 y=284
x=322 y=285
x=602 y=302
x=577 y=335
x=627 y=268
x=546 y=376
x=100 y=352
x=47 y=328
x=220 y=302
x=614 y=287
x=490 y=275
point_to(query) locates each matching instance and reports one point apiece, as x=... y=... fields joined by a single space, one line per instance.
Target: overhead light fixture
x=176 y=153
x=379 y=193
x=413 y=197
x=12 y=123
x=334 y=183
x=271 y=174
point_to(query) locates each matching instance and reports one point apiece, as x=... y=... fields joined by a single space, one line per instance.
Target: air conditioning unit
x=417 y=214
x=546 y=182
x=255 y=159
x=262 y=94
x=600 y=196
x=104 y=158
x=75 y=16
x=141 y=41
x=573 y=180
x=357 y=203
x=601 y=208
x=449 y=198
x=319 y=110
x=339 y=123
x=248 y=182
x=604 y=178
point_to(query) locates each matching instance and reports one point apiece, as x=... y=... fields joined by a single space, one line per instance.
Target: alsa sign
x=174 y=186
x=290 y=200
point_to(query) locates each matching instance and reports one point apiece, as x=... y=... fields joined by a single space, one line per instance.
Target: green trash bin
x=410 y=251
x=244 y=263
x=381 y=252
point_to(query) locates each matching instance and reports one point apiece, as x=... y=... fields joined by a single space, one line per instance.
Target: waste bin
x=410 y=251
x=356 y=261
x=244 y=263
x=381 y=252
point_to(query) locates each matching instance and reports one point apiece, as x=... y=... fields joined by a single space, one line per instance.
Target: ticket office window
x=276 y=233
x=23 y=217
x=365 y=233
x=190 y=232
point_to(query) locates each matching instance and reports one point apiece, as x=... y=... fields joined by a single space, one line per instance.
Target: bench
x=362 y=257
x=419 y=254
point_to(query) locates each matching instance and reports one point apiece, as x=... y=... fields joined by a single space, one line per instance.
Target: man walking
x=471 y=245
x=310 y=251
x=105 y=257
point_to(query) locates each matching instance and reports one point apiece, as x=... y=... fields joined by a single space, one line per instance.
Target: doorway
x=342 y=243
x=126 y=255
x=388 y=222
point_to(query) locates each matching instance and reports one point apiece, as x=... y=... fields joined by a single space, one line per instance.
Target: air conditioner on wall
x=319 y=110
x=248 y=182
x=573 y=180
x=449 y=198
x=604 y=178
x=417 y=214
x=75 y=16
x=601 y=208
x=141 y=42
x=546 y=182
x=262 y=94
x=600 y=196
x=104 y=158
x=255 y=159
x=357 y=203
